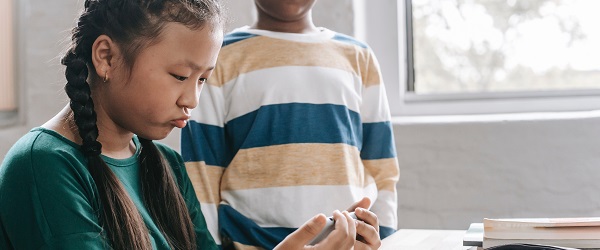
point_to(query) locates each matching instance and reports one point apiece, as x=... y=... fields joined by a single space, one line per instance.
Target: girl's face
x=284 y=10
x=157 y=94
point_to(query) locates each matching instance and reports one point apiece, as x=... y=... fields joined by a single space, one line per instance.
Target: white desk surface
x=421 y=239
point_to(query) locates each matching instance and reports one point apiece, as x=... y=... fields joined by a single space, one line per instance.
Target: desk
x=419 y=239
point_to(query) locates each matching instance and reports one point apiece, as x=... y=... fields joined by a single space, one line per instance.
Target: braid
x=118 y=213
x=132 y=25
x=81 y=103
x=177 y=225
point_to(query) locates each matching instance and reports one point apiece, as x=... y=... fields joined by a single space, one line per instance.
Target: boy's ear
x=103 y=51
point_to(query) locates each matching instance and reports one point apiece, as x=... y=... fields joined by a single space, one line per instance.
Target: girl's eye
x=179 y=78
x=202 y=80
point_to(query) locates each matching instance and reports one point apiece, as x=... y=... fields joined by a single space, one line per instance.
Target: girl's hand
x=342 y=237
x=367 y=226
x=367 y=230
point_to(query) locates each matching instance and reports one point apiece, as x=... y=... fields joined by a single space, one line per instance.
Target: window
x=8 y=94
x=479 y=46
x=486 y=56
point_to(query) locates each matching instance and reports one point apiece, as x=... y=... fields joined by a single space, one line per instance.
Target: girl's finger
x=368 y=217
x=351 y=224
x=299 y=238
x=365 y=202
x=369 y=235
x=341 y=237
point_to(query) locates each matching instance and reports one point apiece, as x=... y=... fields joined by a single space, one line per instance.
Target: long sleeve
x=204 y=150
x=378 y=151
x=280 y=127
x=47 y=202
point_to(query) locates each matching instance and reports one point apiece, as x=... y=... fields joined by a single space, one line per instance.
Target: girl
x=92 y=177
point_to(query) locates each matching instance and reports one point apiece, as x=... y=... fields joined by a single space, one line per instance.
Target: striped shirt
x=289 y=126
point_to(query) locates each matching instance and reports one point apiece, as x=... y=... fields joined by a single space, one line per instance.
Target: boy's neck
x=303 y=26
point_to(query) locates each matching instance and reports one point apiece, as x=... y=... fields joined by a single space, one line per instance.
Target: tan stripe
x=296 y=165
x=332 y=54
x=385 y=172
x=241 y=246
x=205 y=179
x=372 y=73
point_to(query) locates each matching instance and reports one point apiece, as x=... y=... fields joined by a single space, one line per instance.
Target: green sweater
x=48 y=199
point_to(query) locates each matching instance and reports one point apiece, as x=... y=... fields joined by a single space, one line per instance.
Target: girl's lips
x=179 y=123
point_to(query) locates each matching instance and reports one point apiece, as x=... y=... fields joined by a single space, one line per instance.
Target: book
x=474 y=235
x=582 y=233
x=561 y=244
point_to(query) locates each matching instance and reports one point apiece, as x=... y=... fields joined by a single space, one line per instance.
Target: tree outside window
x=484 y=46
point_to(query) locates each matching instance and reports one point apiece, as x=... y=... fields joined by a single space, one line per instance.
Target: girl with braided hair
x=92 y=177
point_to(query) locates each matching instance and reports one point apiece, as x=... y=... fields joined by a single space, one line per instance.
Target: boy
x=293 y=122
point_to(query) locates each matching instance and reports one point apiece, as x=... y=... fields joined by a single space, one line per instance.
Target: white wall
x=456 y=173
x=452 y=173
x=42 y=28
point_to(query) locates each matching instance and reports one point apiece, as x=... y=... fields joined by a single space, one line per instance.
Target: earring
x=105 y=79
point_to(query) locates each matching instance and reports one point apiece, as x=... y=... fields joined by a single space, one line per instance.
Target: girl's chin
x=157 y=135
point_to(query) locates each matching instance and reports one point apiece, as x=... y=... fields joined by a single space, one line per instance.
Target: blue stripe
x=236 y=227
x=385 y=232
x=295 y=123
x=201 y=142
x=348 y=39
x=378 y=141
x=235 y=37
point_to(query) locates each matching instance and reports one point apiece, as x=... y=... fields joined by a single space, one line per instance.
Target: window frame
x=394 y=25
x=9 y=118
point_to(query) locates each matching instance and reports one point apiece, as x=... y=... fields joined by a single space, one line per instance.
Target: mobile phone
x=329 y=226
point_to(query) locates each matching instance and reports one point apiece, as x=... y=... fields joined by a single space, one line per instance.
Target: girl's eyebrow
x=194 y=66
x=189 y=64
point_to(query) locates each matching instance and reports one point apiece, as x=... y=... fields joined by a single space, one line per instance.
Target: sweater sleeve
x=378 y=152
x=47 y=200
x=204 y=150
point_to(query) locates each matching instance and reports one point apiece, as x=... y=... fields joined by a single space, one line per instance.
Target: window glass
x=479 y=46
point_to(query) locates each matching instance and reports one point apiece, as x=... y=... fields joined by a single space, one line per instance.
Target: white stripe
x=210 y=109
x=375 y=106
x=386 y=207
x=291 y=84
x=293 y=206
x=324 y=34
x=209 y=211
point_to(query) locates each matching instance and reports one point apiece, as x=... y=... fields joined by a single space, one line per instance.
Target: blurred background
x=494 y=102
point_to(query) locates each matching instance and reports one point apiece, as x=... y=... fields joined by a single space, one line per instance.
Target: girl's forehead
x=178 y=43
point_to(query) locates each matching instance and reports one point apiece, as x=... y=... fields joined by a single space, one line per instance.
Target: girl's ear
x=103 y=51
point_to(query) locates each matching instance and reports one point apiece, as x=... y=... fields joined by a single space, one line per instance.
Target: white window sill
x=495 y=118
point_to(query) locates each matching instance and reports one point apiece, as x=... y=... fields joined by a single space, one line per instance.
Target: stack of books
x=580 y=233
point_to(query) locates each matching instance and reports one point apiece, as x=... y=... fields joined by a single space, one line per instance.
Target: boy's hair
x=133 y=25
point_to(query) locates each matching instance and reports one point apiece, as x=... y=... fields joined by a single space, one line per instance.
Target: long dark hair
x=133 y=25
